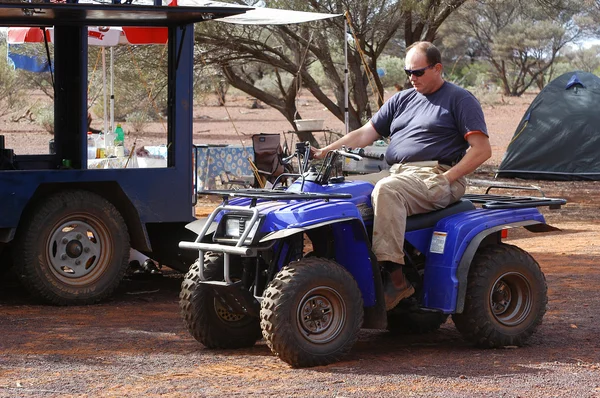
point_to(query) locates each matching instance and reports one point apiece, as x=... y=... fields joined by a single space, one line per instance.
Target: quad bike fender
x=196 y=226
x=286 y=219
x=291 y=218
x=350 y=249
x=455 y=241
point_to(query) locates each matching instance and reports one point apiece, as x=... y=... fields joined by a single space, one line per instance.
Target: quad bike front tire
x=311 y=312
x=506 y=298
x=6 y=261
x=72 y=248
x=207 y=320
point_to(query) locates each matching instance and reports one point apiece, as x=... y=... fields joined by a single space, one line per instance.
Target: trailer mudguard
x=454 y=241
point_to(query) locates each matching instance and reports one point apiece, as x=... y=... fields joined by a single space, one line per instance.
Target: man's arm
x=479 y=152
x=358 y=138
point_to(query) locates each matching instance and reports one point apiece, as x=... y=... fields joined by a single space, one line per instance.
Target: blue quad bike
x=294 y=266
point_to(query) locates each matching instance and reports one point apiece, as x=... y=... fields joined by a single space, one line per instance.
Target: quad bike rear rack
x=489 y=201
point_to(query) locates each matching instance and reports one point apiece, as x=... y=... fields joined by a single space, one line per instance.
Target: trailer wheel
x=72 y=249
x=207 y=320
x=506 y=298
x=311 y=312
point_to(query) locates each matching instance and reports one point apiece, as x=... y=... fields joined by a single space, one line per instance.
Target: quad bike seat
x=428 y=220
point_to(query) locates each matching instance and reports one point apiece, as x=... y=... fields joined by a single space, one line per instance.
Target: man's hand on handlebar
x=316 y=153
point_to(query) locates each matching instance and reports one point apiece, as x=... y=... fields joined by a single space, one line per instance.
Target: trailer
x=67 y=230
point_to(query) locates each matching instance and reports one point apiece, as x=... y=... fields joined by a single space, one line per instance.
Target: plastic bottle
x=110 y=144
x=100 y=146
x=91 y=146
x=119 y=141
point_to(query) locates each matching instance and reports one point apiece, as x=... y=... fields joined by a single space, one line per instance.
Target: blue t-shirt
x=429 y=127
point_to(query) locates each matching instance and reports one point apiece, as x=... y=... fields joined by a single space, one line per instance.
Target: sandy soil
x=135 y=344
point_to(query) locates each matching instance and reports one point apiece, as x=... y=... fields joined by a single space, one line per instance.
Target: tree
x=11 y=92
x=585 y=59
x=520 y=39
x=286 y=52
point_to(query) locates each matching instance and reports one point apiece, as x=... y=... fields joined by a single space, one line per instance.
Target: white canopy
x=259 y=15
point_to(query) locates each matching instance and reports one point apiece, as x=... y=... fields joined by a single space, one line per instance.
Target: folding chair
x=268 y=156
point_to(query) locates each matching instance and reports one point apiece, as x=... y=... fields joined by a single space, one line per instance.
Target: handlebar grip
x=373 y=155
x=370 y=155
x=350 y=155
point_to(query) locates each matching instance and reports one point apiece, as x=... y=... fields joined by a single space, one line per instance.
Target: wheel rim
x=321 y=315
x=226 y=315
x=511 y=299
x=79 y=251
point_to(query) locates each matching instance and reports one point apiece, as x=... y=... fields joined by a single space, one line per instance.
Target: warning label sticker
x=438 y=241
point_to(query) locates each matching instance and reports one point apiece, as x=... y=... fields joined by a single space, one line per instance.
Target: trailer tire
x=506 y=298
x=311 y=312
x=72 y=249
x=205 y=317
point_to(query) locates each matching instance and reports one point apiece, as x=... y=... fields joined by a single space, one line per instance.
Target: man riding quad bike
x=295 y=266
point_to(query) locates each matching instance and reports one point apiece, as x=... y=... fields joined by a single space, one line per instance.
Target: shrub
x=393 y=68
x=45 y=118
x=138 y=121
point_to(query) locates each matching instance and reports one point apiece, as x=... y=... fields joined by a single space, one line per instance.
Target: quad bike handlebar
x=309 y=172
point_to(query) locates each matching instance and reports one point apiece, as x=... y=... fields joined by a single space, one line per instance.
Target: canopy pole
x=104 y=88
x=112 y=91
x=346 y=121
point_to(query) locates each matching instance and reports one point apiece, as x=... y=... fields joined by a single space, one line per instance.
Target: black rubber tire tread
x=477 y=323
x=29 y=252
x=415 y=322
x=197 y=304
x=279 y=306
x=6 y=261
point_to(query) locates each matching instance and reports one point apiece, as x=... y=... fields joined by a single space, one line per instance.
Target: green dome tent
x=559 y=135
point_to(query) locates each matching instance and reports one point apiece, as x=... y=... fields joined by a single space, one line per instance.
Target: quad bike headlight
x=232 y=227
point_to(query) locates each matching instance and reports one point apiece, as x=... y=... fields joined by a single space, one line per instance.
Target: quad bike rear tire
x=506 y=298
x=311 y=312
x=208 y=321
x=72 y=248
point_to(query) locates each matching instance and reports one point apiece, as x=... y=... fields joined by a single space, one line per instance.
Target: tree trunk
x=304 y=136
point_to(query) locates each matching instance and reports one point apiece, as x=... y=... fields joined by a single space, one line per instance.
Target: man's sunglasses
x=417 y=72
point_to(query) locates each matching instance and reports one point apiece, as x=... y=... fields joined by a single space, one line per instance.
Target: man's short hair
x=431 y=52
